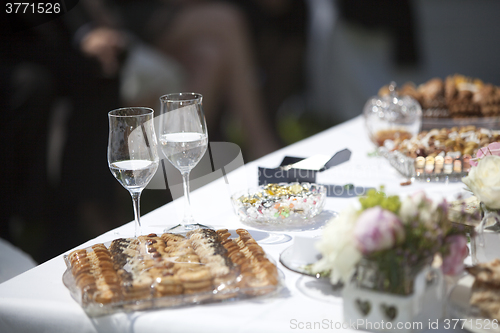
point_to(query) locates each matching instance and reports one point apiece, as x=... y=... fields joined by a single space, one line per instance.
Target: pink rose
x=378 y=229
x=492 y=149
x=453 y=262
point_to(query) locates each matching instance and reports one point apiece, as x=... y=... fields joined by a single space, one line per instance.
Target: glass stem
x=188 y=217
x=136 y=198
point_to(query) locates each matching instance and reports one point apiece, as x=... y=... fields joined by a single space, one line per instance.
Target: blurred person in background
x=212 y=42
x=279 y=32
x=42 y=64
x=77 y=58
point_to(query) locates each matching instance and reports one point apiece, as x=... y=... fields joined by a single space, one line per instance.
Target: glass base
x=184 y=228
x=274 y=238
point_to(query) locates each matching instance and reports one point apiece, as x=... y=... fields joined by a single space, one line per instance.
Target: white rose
x=484 y=181
x=410 y=207
x=337 y=246
x=417 y=205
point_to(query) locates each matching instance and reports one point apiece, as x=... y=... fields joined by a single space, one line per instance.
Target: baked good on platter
x=486 y=288
x=457 y=96
x=204 y=262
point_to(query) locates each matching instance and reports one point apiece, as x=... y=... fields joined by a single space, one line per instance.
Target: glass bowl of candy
x=283 y=204
x=392 y=117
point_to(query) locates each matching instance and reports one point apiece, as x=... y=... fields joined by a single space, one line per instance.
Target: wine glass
x=183 y=139
x=132 y=152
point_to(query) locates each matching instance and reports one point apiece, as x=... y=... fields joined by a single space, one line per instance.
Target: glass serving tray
x=407 y=167
x=429 y=122
x=228 y=287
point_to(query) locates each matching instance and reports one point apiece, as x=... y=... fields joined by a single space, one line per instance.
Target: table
x=37 y=300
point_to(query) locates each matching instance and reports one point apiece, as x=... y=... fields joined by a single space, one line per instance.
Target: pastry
x=458 y=96
x=431 y=94
x=465 y=140
x=205 y=263
x=486 y=288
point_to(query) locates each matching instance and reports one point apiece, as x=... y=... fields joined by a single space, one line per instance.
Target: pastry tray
x=406 y=166
x=229 y=290
x=463 y=315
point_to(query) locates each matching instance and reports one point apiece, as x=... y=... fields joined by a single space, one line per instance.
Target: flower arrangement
x=391 y=233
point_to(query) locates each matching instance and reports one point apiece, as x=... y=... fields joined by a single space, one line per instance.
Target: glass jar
x=485 y=245
x=392 y=277
x=392 y=117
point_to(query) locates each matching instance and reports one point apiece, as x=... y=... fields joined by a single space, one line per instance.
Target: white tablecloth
x=13 y=261
x=37 y=300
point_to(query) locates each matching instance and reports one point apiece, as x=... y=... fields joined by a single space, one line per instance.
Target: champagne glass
x=183 y=139
x=132 y=152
